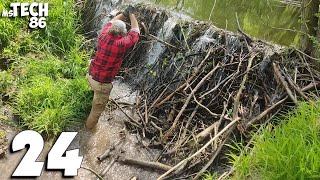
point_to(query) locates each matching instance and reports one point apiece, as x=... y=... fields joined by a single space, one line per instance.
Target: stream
x=270 y=20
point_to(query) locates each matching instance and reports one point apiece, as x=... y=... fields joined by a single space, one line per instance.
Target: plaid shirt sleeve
x=131 y=38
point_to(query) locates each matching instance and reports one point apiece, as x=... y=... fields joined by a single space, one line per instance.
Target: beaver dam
x=201 y=87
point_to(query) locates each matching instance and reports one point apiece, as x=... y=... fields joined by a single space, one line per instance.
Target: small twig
x=196 y=72
x=295 y=87
x=229 y=126
x=283 y=82
x=94 y=172
x=137 y=124
x=214 y=5
x=105 y=170
x=206 y=132
x=161 y=41
x=248 y=38
x=168 y=133
x=244 y=80
x=146 y=164
x=146 y=111
x=204 y=168
x=265 y=112
x=109 y=150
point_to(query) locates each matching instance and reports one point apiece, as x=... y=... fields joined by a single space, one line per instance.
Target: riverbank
x=288 y=148
x=194 y=83
x=45 y=81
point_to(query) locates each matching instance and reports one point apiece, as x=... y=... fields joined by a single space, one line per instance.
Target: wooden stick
x=146 y=111
x=200 y=173
x=94 y=172
x=146 y=164
x=283 y=82
x=265 y=112
x=206 y=132
x=105 y=170
x=204 y=107
x=168 y=133
x=197 y=71
x=244 y=80
x=229 y=126
x=137 y=124
x=248 y=38
x=161 y=41
x=181 y=139
x=109 y=150
x=106 y=153
x=295 y=87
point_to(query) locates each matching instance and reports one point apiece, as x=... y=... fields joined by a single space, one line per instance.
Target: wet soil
x=109 y=131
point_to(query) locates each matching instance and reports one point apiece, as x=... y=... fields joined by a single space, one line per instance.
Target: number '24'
x=28 y=166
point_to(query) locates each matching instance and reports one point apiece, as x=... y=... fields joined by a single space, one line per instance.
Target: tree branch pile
x=208 y=84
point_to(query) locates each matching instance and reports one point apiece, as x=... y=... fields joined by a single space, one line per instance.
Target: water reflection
x=264 y=19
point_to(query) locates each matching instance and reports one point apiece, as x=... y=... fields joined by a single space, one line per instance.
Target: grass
x=46 y=81
x=289 y=150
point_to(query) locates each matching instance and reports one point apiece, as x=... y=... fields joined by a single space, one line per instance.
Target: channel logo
x=37 y=12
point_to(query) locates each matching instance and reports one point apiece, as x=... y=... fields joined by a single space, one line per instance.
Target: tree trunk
x=309 y=24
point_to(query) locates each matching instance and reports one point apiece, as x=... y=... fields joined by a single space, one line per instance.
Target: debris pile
x=198 y=85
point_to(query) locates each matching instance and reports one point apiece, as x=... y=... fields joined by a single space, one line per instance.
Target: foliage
x=48 y=70
x=48 y=105
x=288 y=151
x=209 y=176
x=6 y=80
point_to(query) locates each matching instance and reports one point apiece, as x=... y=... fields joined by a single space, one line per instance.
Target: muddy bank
x=109 y=131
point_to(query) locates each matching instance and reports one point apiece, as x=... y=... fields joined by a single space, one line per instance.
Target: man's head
x=118 y=27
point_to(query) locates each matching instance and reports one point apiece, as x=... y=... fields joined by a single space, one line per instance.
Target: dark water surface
x=264 y=19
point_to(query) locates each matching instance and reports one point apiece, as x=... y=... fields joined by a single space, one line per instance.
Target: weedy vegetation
x=289 y=150
x=46 y=80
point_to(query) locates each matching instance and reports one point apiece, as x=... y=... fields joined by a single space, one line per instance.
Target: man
x=113 y=43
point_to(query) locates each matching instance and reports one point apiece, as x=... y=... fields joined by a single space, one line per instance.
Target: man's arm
x=118 y=17
x=134 y=22
x=133 y=36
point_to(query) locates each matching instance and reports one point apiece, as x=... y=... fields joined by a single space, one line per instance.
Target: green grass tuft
x=48 y=105
x=47 y=76
x=287 y=151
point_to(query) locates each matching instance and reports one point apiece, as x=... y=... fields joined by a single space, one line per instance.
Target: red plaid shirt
x=110 y=54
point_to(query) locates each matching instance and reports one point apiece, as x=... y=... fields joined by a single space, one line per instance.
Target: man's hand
x=129 y=10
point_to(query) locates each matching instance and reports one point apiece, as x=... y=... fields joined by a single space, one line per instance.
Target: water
x=264 y=19
x=164 y=34
x=205 y=40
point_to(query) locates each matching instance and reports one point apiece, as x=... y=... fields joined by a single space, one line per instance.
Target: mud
x=93 y=143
